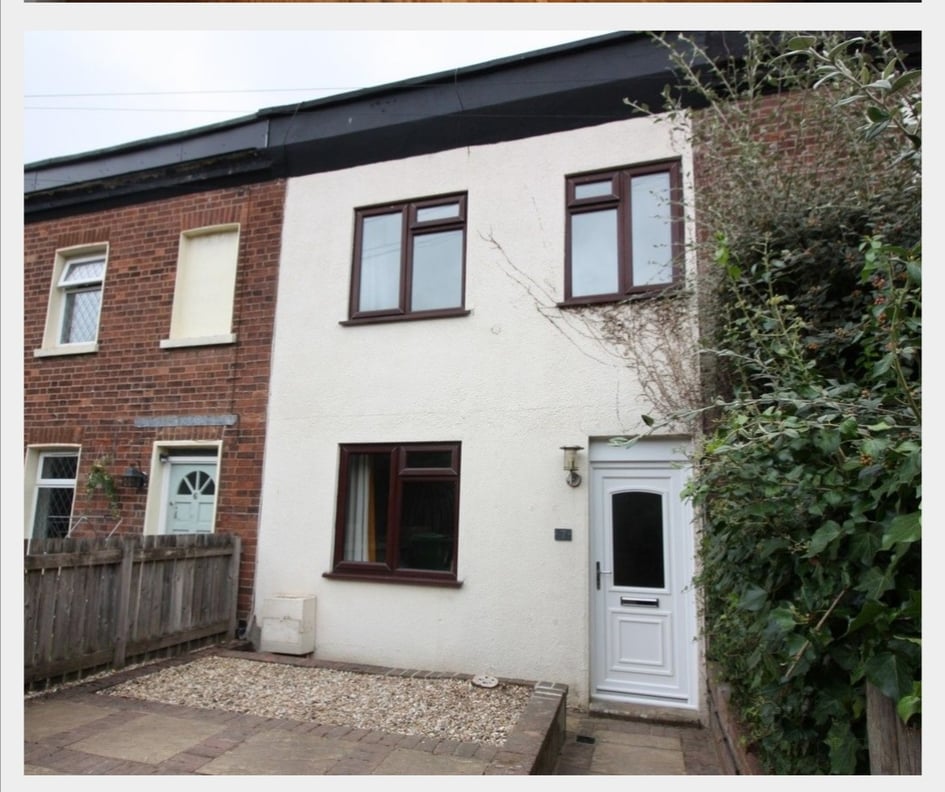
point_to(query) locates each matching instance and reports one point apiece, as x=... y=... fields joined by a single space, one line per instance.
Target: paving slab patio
x=618 y=753
x=597 y=745
x=79 y=732
x=279 y=752
x=55 y=716
x=147 y=738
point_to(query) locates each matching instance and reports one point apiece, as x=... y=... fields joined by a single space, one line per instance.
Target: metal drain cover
x=485 y=681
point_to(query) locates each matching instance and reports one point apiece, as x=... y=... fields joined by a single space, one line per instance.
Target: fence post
x=234 y=576
x=895 y=749
x=124 y=598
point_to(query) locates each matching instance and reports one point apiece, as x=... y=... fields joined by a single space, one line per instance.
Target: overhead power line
x=241 y=111
x=191 y=93
x=322 y=89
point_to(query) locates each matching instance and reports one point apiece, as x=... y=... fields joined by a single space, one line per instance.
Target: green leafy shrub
x=101 y=481
x=809 y=478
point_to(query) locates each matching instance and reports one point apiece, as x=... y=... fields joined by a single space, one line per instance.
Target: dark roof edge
x=292 y=140
x=567 y=86
x=141 y=143
x=449 y=75
x=277 y=111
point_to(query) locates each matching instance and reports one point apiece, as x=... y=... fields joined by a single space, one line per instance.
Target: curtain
x=360 y=539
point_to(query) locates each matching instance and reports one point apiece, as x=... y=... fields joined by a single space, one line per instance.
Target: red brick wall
x=793 y=131
x=94 y=399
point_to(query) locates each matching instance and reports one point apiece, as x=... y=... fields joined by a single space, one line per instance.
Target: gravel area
x=441 y=708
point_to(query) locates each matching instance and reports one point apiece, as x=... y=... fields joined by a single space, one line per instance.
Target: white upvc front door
x=643 y=626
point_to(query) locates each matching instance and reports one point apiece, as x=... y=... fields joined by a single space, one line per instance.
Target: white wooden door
x=643 y=642
x=191 y=493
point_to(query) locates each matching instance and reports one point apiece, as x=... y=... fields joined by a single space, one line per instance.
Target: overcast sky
x=79 y=77
x=99 y=75
x=92 y=89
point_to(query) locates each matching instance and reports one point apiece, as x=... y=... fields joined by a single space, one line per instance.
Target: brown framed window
x=409 y=260
x=624 y=232
x=398 y=512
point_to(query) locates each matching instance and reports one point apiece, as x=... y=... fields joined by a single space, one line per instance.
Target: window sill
x=655 y=293
x=361 y=320
x=71 y=349
x=174 y=343
x=400 y=579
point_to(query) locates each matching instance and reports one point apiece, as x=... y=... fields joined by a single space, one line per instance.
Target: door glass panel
x=638 y=539
x=196 y=483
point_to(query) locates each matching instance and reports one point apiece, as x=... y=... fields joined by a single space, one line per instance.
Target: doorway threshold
x=653 y=713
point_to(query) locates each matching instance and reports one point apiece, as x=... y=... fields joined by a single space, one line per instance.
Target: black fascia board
x=227 y=136
x=145 y=170
x=163 y=151
x=464 y=74
x=507 y=100
x=554 y=88
x=511 y=121
x=559 y=88
x=229 y=170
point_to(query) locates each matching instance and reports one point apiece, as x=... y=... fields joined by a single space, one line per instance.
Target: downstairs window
x=398 y=512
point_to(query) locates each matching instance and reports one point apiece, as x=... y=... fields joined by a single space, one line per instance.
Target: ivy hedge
x=809 y=474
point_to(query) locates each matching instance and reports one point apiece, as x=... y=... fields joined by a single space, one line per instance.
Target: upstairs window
x=205 y=287
x=81 y=285
x=398 y=512
x=75 y=302
x=409 y=260
x=624 y=232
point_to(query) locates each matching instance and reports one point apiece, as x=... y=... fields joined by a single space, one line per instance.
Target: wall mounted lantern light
x=134 y=477
x=570 y=464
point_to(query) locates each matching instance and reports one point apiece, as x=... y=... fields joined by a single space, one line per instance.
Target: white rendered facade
x=512 y=381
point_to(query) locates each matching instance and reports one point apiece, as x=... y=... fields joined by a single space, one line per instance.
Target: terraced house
x=444 y=261
x=387 y=338
x=149 y=298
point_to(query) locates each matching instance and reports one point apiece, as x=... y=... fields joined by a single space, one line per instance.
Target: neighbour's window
x=624 y=232
x=75 y=302
x=409 y=260
x=81 y=285
x=398 y=511
x=53 y=494
x=205 y=287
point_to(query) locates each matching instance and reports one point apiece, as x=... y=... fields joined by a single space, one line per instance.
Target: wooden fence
x=894 y=748
x=97 y=603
